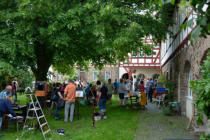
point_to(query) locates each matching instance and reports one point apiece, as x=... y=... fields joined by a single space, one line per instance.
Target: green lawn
x=121 y=124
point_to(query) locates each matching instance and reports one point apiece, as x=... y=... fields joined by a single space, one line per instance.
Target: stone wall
x=89 y=75
x=178 y=68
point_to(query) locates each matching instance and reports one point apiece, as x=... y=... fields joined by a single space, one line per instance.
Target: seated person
x=6 y=108
x=6 y=93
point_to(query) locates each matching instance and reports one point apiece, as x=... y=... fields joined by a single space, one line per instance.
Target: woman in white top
x=127 y=87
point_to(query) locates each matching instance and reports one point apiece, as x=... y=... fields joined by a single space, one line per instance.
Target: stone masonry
x=178 y=68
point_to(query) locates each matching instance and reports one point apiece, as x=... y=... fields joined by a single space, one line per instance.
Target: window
x=190 y=79
x=107 y=75
x=95 y=75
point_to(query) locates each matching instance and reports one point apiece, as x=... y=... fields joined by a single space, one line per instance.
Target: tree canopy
x=64 y=33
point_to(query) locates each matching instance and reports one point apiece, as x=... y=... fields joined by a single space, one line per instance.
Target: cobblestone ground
x=154 y=125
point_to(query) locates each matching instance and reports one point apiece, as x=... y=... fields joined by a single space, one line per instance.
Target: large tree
x=63 y=33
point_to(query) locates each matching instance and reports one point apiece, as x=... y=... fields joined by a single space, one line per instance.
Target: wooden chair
x=134 y=102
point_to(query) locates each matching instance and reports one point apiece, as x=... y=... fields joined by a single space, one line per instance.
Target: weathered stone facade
x=187 y=60
x=94 y=74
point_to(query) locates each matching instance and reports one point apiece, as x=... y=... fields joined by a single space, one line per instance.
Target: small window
x=107 y=75
x=95 y=75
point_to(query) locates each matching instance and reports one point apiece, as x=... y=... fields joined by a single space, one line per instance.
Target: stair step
x=46 y=131
x=43 y=124
x=30 y=118
x=37 y=108
x=41 y=117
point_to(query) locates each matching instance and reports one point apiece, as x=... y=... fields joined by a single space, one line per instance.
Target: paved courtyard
x=154 y=125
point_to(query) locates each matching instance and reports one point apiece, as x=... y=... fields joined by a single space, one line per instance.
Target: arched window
x=141 y=76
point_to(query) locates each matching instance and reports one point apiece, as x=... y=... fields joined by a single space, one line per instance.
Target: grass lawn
x=121 y=124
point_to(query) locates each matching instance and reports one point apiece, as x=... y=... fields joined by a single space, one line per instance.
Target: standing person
x=136 y=85
x=127 y=90
x=147 y=88
x=131 y=84
x=98 y=89
x=87 y=90
x=116 y=85
x=151 y=89
x=110 y=87
x=92 y=94
x=103 y=97
x=69 y=93
x=58 y=99
x=155 y=83
x=14 y=88
x=143 y=95
x=121 y=91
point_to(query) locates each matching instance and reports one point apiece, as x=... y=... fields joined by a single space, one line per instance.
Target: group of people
x=99 y=93
x=103 y=92
x=64 y=95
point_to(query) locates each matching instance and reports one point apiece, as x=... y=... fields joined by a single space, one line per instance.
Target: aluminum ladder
x=37 y=113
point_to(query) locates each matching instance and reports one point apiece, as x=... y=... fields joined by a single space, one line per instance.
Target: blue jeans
x=102 y=104
x=57 y=111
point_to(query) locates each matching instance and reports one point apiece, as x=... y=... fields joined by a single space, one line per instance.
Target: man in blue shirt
x=6 y=108
x=6 y=93
x=151 y=89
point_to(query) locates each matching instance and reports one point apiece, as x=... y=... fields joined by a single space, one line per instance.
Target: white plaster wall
x=148 y=72
x=121 y=72
x=188 y=107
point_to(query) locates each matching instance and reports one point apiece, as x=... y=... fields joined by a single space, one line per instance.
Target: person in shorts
x=121 y=91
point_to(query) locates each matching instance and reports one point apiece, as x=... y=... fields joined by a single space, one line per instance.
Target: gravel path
x=154 y=125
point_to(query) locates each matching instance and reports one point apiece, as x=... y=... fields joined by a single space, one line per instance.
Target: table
x=22 y=108
x=16 y=109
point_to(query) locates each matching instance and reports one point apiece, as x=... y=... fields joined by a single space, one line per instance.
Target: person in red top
x=143 y=95
x=69 y=94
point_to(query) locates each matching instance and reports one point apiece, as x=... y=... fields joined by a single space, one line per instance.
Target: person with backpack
x=58 y=98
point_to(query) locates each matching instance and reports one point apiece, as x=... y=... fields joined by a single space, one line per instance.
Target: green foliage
x=203 y=20
x=100 y=77
x=170 y=96
x=41 y=33
x=162 y=79
x=8 y=73
x=201 y=88
x=169 y=85
x=167 y=111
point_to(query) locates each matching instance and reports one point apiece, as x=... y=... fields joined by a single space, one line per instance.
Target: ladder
x=36 y=113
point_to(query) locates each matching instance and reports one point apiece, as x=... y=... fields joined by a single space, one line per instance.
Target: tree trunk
x=40 y=74
x=44 y=58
